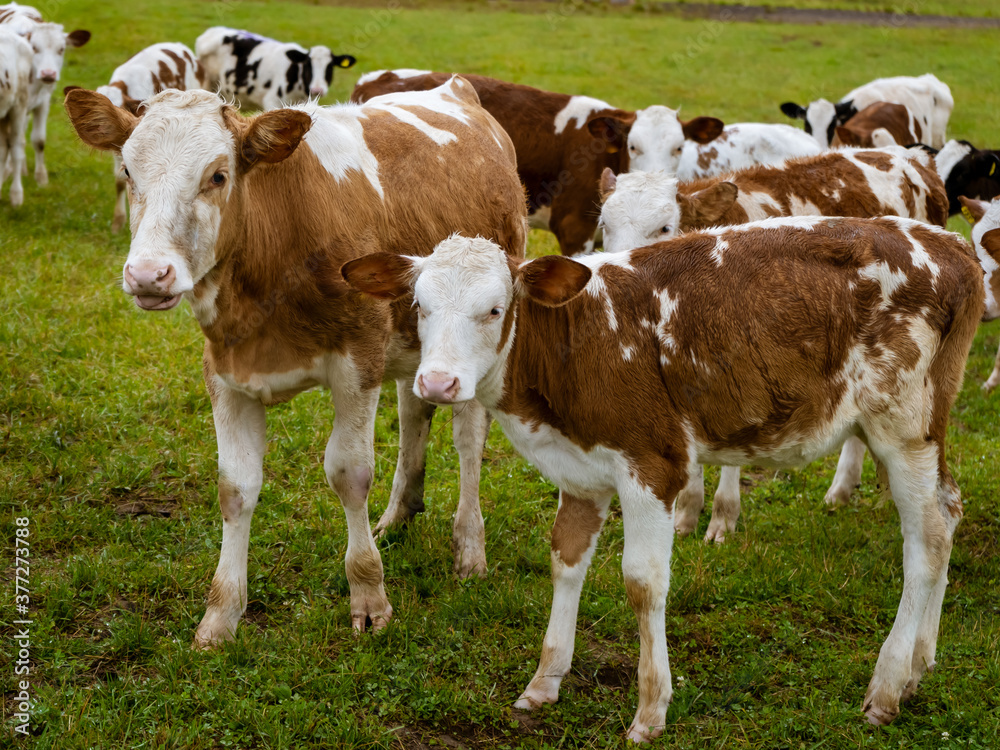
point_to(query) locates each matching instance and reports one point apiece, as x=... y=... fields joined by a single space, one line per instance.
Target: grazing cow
x=168 y=65
x=927 y=98
x=880 y=124
x=263 y=72
x=743 y=145
x=48 y=44
x=563 y=143
x=15 y=90
x=770 y=342
x=250 y=220
x=986 y=239
x=969 y=171
x=641 y=209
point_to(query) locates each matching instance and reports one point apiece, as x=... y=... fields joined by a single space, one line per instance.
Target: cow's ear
x=612 y=128
x=380 y=275
x=272 y=136
x=552 y=280
x=793 y=110
x=297 y=55
x=988 y=165
x=77 y=38
x=845 y=137
x=845 y=110
x=607 y=183
x=343 y=61
x=704 y=208
x=972 y=209
x=98 y=122
x=703 y=129
x=991 y=243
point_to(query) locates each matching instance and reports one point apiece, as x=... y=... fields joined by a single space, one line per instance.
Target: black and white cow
x=928 y=98
x=262 y=72
x=969 y=171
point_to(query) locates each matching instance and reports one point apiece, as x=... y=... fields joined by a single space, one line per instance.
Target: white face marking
x=578 y=110
x=399 y=73
x=174 y=222
x=656 y=140
x=464 y=289
x=946 y=159
x=641 y=211
x=320 y=57
x=990 y=264
x=819 y=115
x=48 y=43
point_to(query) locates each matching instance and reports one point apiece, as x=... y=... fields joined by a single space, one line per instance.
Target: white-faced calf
x=250 y=220
x=265 y=73
x=770 y=342
x=564 y=142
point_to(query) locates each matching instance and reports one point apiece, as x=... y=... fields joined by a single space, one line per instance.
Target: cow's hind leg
x=927 y=535
x=240 y=434
x=690 y=501
x=574 y=537
x=40 y=119
x=848 y=476
x=725 y=505
x=407 y=496
x=994 y=379
x=470 y=424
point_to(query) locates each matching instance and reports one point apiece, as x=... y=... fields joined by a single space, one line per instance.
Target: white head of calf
x=643 y=208
x=657 y=136
x=48 y=43
x=986 y=240
x=467 y=292
x=182 y=158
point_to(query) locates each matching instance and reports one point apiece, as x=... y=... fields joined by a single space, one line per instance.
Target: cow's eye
x=495 y=312
x=125 y=170
x=665 y=230
x=218 y=179
x=678 y=149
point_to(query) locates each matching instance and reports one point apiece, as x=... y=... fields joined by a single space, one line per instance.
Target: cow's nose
x=150 y=279
x=439 y=387
x=49 y=76
x=317 y=91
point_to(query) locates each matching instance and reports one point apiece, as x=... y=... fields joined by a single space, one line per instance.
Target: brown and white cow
x=563 y=144
x=249 y=219
x=986 y=239
x=743 y=145
x=880 y=124
x=643 y=208
x=15 y=91
x=770 y=342
x=168 y=65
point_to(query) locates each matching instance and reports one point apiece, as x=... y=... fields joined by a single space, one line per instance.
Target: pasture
x=107 y=445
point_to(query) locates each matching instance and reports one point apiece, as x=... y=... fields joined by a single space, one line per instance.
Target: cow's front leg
x=647 y=518
x=407 y=496
x=470 y=424
x=574 y=537
x=350 y=467
x=241 y=436
x=40 y=117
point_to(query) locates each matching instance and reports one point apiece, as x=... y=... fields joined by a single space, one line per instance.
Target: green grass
x=103 y=413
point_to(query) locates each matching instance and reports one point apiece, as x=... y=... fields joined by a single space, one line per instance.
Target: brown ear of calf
x=703 y=129
x=973 y=209
x=612 y=128
x=273 y=136
x=552 y=280
x=607 y=183
x=991 y=243
x=845 y=137
x=707 y=206
x=98 y=122
x=379 y=275
x=77 y=37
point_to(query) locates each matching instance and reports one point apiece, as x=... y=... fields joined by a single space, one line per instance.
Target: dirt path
x=747 y=13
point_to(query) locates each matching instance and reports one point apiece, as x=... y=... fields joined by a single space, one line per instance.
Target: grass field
x=107 y=445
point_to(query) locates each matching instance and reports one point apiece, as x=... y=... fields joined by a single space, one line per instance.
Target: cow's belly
x=789 y=453
x=592 y=473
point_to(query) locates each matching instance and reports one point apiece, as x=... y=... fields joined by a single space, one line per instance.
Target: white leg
x=240 y=433
x=407 y=496
x=725 y=505
x=649 y=535
x=927 y=533
x=40 y=120
x=5 y=156
x=690 y=501
x=994 y=379
x=574 y=537
x=15 y=144
x=848 y=476
x=350 y=467
x=470 y=424
x=119 y=217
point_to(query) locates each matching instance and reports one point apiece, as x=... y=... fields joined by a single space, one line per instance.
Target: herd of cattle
x=766 y=296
